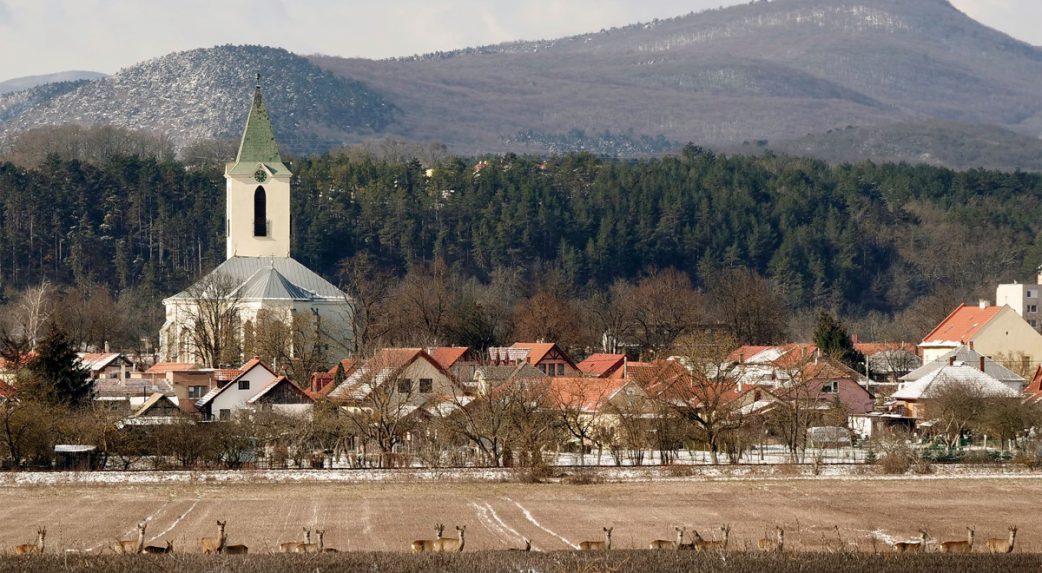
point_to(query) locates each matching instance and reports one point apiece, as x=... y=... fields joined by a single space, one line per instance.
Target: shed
x=76 y=457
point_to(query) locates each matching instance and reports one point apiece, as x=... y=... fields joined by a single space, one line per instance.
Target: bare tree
x=662 y=308
x=209 y=315
x=369 y=288
x=710 y=394
x=382 y=406
x=752 y=306
x=956 y=405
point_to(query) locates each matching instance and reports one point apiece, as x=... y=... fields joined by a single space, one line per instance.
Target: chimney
x=951 y=361
x=982 y=363
x=855 y=339
x=983 y=303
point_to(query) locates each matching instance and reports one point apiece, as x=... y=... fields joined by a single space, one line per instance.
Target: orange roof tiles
x=447 y=356
x=1034 y=387
x=602 y=365
x=587 y=394
x=962 y=324
x=743 y=353
x=536 y=350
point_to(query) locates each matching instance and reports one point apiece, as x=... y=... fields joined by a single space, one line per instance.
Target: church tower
x=257 y=191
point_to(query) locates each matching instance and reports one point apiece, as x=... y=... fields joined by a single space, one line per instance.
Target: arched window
x=260 y=213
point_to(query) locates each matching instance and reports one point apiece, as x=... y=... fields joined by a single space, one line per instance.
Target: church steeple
x=258 y=140
x=258 y=187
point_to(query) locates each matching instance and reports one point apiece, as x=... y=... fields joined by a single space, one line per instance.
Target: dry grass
x=556 y=562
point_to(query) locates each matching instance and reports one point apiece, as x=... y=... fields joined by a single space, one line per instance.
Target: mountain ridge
x=765 y=71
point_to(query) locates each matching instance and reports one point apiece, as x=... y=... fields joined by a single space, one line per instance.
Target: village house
x=546 y=356
x=322 y=383
x=966 y=355
x=995 y=331
x=914 y=398
x=460 y=361
x=106 y=365
x=159 y=409
x=487 y=378
x=409 y=377
x=603 y=366
x=190 y=382
x=257 y=387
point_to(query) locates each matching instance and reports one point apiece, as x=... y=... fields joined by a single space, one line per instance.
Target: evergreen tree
x=832 y=339
x=55 y=375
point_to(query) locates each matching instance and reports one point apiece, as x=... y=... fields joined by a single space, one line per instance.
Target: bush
x=895 y=463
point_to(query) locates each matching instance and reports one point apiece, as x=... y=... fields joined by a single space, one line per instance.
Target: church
x=259 y=289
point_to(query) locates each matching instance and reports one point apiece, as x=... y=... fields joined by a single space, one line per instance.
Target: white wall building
x=1025 y=299
x=259 y=275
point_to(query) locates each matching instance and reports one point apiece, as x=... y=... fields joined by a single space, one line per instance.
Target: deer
x=214 y=544
x=294 y=546
x=1000 y=545
x=598 y=545
x=528 y=546
x=912 y=546
x=159 y=549
x=421 y=545
x=958 y=546
x=704 y=545
x=132 y=546
x=664 y=544
x=235 y=550
x=315 y=547
x=451 y=545
x=33 y=548
x=777 y=544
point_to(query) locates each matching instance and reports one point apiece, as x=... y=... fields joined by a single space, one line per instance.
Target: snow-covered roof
x=959 y=374
x=967 y=356
x=290 y=278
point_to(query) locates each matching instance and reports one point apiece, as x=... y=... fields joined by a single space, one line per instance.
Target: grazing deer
x=704 y=545
x=528 y=546
x=315 y=547
x=214 y=544
x=912 y=546
x=451 y=545
x=235 y=550
x=664 y=544
x=958 y=546
x=294 y=546
x=158 y=549
x=999 y=545
x=777 y=544
x=421 y=545
x=131 y=546
x=598 y=545
x=33 y=548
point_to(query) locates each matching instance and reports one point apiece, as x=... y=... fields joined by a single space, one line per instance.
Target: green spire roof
x=258 y=140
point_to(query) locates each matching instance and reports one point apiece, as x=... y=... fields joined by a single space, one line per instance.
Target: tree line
x=891 y=248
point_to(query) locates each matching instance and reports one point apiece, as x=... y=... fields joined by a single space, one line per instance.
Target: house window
x=1032 y=308
x=426 y=385
x=830 y=387
x=260 y=213
x=1031 y=294
x=196 y=392
x=542 y=368
x=244 y=384
x=225 y=414
x=560 y=369
x=405 y=386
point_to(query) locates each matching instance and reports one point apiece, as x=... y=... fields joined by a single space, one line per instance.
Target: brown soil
x=387 y=517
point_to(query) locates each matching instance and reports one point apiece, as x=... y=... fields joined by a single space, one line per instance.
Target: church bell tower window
x=260 y=213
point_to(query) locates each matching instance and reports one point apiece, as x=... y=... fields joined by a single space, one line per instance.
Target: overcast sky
x=43 y=36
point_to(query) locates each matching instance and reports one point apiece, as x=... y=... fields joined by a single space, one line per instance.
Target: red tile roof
x=743 y=353
x=586 y=394
x=447 y=356
x=962 y=324
x=536 y=350
x=1034 y=387
x=601 y=365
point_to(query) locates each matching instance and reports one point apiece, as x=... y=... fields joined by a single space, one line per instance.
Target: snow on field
x=604 y=474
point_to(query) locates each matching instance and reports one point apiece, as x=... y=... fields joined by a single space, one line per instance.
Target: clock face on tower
x=260 y=176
